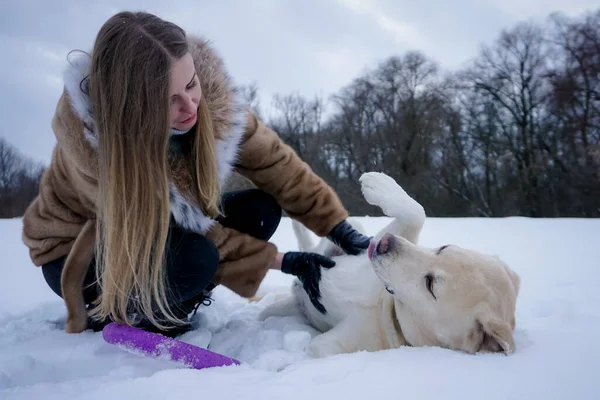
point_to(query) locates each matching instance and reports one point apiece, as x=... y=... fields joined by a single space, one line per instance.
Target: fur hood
x=226 y=106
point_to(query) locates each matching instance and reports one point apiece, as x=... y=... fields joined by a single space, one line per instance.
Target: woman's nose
x=189 y=105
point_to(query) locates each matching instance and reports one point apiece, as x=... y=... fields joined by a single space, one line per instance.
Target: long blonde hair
x=129 y=90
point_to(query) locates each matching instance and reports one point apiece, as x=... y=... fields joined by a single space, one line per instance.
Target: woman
x=149 y=128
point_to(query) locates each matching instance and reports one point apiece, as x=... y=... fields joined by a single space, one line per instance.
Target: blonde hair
x=129 y=90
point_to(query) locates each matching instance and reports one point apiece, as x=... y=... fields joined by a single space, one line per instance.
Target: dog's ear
x=497 y=337
x=513 y=276
x=515 y=279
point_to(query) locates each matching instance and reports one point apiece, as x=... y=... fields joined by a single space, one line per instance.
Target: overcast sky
x=306 y=46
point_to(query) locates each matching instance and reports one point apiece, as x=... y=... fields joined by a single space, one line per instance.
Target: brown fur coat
x=68 y=187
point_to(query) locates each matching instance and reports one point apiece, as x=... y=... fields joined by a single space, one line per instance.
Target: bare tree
x=251 y=97
x=511 y=75
x=574 y=106
x=10 y=166
x=19 y=181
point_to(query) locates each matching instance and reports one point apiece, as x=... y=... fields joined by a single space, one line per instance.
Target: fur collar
x=227 y=109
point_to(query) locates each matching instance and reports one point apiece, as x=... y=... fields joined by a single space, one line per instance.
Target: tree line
x=19 y=180
x=514 y=132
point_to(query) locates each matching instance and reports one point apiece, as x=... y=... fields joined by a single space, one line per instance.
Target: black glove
x=348 y=238
x=307 y=267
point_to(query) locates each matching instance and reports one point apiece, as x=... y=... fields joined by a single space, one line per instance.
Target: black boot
x=182 y=311
x=94 y=325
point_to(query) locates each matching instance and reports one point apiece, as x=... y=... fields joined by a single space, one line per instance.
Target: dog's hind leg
x=343 y=338
x=73 y=274
x=280 y=308
x=324 y=247
x=408 y=215
x=303 y=238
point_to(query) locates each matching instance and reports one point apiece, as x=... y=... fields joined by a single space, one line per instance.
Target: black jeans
x=192 y=260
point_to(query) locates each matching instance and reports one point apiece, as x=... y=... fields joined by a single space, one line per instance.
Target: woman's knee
x=52 y=272
x=204 y=252
x=252 y=211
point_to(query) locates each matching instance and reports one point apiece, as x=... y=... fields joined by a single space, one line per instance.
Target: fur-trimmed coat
x=68 y=187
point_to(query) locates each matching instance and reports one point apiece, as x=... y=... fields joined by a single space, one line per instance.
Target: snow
x=558 y=326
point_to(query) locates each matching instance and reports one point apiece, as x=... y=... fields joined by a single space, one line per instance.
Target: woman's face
x=185 y=93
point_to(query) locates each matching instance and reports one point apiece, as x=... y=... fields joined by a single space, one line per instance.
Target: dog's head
x=449 y=296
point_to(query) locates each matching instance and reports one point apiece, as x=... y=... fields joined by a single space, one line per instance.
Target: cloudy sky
x=305 y=46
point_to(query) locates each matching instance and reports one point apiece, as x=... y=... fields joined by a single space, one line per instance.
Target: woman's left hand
x=307 y=268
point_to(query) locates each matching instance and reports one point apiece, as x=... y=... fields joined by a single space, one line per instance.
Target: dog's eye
x=389 y=290
x=429 y=279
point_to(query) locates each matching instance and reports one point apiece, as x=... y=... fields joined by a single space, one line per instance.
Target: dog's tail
x=303 y=238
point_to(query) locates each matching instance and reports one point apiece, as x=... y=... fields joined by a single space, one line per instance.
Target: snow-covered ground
x=557 y=335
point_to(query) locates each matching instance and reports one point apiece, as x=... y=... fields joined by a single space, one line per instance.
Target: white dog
x=400 y=293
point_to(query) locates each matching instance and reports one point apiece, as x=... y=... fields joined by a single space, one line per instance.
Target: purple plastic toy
x=155 y=345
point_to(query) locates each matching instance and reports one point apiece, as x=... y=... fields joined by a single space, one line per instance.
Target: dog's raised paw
x=381 y=190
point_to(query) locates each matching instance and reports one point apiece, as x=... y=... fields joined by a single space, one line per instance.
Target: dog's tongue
x=370 y=249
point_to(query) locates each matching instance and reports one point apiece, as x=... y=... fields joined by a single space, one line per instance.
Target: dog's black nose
x=386 y=244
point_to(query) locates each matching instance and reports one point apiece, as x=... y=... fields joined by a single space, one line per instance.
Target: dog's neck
x=392 y=329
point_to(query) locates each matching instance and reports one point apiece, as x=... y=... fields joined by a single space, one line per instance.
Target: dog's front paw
x=327 y=345
x=382 y=191
x=321 y=349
